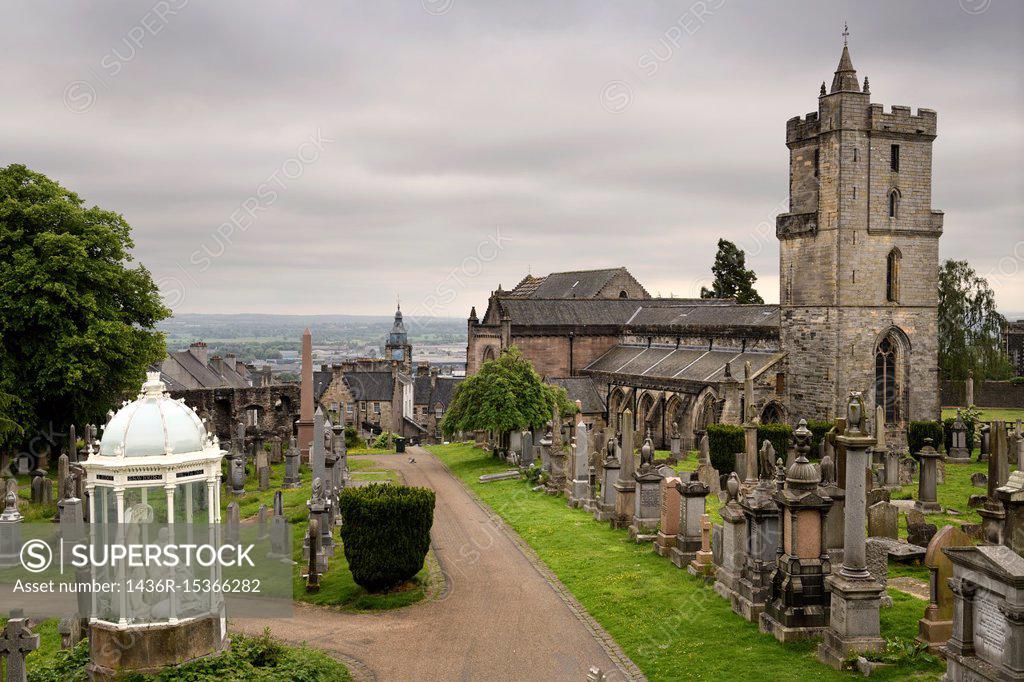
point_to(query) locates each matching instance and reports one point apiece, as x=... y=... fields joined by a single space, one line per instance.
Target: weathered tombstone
x=694 y=494
x=702 y=565
x=16 y=642
x=527 y=456
x=921 y=533
x=883 y=521
x=37 y=486
x=674 y=444
x=671 y=508
x=1011 y=495
x=292 y=466
x=927 y=491
x=993 y=516
x=908 y=469
x=279 y=539
x=647 y=507
x=958 y=451
x=935 y=627
x=987 y=639
x=605 y=508
x=313 y=553
x=47 y=485
x=278 y=503
x=986 y=442
x=319 y=509
x=979 y=480
x=236 y=474
x=876 y=554
x=275 y=450
x=854 y=625
x=264 y=475
x=797 y=606
x=734 y=542
x=704 y=450
x=232 y=524
x=892 y=469
x=70 y=630
x=625 y=486
x=261 y=520
x=580 y=467
x=716 y=545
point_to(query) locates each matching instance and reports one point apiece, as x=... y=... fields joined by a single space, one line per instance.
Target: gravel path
x=501 y=616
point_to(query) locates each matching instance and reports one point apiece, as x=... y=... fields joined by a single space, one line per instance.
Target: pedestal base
x=642 y=530
x=748 y=601
x=928 y=507
x=702 y=566
x=578 y=493
x=624 y=503
x=604 y=512
x=153 y=649
x=934 y=634
x=662 y=544
x=854 y=626
x=789 y=633
x=725 y=583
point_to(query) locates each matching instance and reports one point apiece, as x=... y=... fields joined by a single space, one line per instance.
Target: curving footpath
x=501 y=616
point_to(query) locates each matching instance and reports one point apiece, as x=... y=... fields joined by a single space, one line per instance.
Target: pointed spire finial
x=846 y=33
x=867 y=87
x=822 y=92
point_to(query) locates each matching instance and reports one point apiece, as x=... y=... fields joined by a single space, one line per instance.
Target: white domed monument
x=155 y=479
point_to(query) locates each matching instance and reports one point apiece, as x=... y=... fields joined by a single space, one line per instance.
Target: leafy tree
x=506 y=395
x=970 y=328
x=732 y=278
x=75 y=318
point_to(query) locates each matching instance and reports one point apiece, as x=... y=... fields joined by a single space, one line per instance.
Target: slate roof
x=321 y=380
x=202 y=373
x=369 y=385
x=582 y=389
x=571 y=284
x=664 y=315
x=664 y=364
x=526 y=287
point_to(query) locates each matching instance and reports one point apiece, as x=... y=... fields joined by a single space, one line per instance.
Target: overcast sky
x=326 y=157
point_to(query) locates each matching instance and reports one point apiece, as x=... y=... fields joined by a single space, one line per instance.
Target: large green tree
x=76 y=316
x=506 y=395
x=732 y=278
x=970 y=327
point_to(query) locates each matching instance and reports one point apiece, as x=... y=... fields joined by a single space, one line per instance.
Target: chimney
x=422 y=369
x=433 y=379
x=198 y=351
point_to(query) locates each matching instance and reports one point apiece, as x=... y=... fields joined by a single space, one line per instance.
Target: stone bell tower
x=859 y=257
x=398 y=349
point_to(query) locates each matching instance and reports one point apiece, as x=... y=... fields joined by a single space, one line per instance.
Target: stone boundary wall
x=988 y=394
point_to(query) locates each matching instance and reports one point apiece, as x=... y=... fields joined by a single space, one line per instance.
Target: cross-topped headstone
x=16 y=642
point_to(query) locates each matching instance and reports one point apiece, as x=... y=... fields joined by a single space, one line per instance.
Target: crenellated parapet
x=799 y=128
x=901 y=121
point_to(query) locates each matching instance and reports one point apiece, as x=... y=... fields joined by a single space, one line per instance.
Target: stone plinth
x=927 y=487
x=854 y=625
x=647 y=506
x=694 y=496
x=605 y=507
x=153 y=648
x=734 y=551
x=763 y=535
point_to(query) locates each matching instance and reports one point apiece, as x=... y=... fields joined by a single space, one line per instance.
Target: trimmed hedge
x=724 y=441
x=918 y=431
x=778 y=434
x=947 y=423
x=386 y=532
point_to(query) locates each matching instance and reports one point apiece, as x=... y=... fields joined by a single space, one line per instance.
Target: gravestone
x=232 y=524
x=883 y=520
x=876 y=553
x=17 y=641
x=979 y=480
x=312 y=557
x=319 y=509
x=958 y=451
x=70 y=630
x=317 y=454
x=908 y=469
x=920 y=534
x=934 y=628
x=37 y=486
x=278 y=503
x=264 y=475
x=702 y=565
x=986 y=442
x=275 y=450
x=671 y=508
x=647 y=507
x=892 y=469
x=605 y=508
x=927 y=484
x=236 y=474
x=292 y=466
x=580 y=467
x=675 y=443
x=625 y=485
x=280 y=535
x=987 y=638
x=1011 y=495
x=993 y=516
x=704 y=450
x=694 y=494
x=734 y=542
x=261 y=520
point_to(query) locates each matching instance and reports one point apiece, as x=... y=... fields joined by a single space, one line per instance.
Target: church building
x=858 y=263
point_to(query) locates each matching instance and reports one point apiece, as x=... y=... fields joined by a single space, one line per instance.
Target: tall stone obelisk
x=305 y=422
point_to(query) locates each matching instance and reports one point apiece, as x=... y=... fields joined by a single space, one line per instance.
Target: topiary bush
x=724 y=441
x=918 y=431
x=777 y=434
x=386 y=532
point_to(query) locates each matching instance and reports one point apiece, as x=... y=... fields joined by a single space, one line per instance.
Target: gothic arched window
x=886 y=389
x=892 y=276
x=894 y=203
x=623 y=294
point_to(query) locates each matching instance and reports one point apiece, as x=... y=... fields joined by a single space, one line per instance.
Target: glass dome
x=153 y=425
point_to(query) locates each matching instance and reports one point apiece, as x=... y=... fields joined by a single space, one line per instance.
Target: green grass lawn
x=667 y=621
x=1009 y=414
